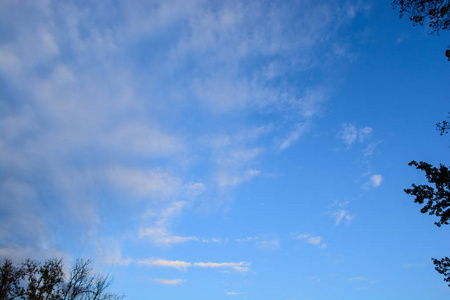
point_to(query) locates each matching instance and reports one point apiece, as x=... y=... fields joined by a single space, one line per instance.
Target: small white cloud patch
x=376 y=180
x=341 y=215
x=269 y=244
x=313 y=240
x=364 y=133
x=349 y=134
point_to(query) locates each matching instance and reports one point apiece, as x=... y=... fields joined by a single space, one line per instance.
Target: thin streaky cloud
x=233 y=293
x=169 y=281
x=183 y=265
x=157 y=262
x=240 y=266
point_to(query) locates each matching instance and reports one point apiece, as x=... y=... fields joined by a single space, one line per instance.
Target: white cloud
x=194 y=189
x=247 y=239
x=225 y=179
x=182 y=265
x=110 y=251
x=163 y=237
x=159 y=232
x=341 y=215
x=412 y=265
x=363 y=279
x=80 y=101
x=234 y=159
x=313 y=240
x=349 y=134
x=143 y=182
x=233 y=293
x=269 y=244
x=19 y=254
x=169 y=281
x=142 y=139
x=157 y=262
x=240 y=266
x=293 y=136
x=311 y=104
x=160 y=219
x=376 y=180
x=370 y=149
x=313 y=279
x=263 y=243
x=364 y=133
x=359 y=278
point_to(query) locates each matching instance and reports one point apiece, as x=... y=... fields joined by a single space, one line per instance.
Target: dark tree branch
x=443 y=267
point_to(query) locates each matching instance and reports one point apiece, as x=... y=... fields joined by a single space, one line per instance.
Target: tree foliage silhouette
x=437 y=14
x=33 y=280
x=443 y=266
x=444 y=126
x=437 y=198
x=434 y=12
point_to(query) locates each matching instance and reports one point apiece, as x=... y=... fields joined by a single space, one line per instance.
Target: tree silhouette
x=444 y=126
x=434 y=12
x=33 y=280
x=437 y=198
x=443 y=266
x=437 y=14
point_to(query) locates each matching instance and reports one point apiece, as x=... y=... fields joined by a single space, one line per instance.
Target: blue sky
x=223 y=149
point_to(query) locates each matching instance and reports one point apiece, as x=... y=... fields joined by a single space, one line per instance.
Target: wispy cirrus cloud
x=169 y=281
x=110 y=252
x=139 y=182
x=94 y=98
x=363 y=279
x=232 y=293
x=158 y=231
x=237 y=266
x=340 y=214
x=157 y=262
x=183 y=266
x=272 y=244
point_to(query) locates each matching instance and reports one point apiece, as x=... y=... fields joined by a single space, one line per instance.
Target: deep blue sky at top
x=223 y=149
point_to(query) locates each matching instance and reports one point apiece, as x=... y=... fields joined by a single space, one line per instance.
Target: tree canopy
x=444 y=126
x=437 y=198
x=33 y=280
x=434 y=12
